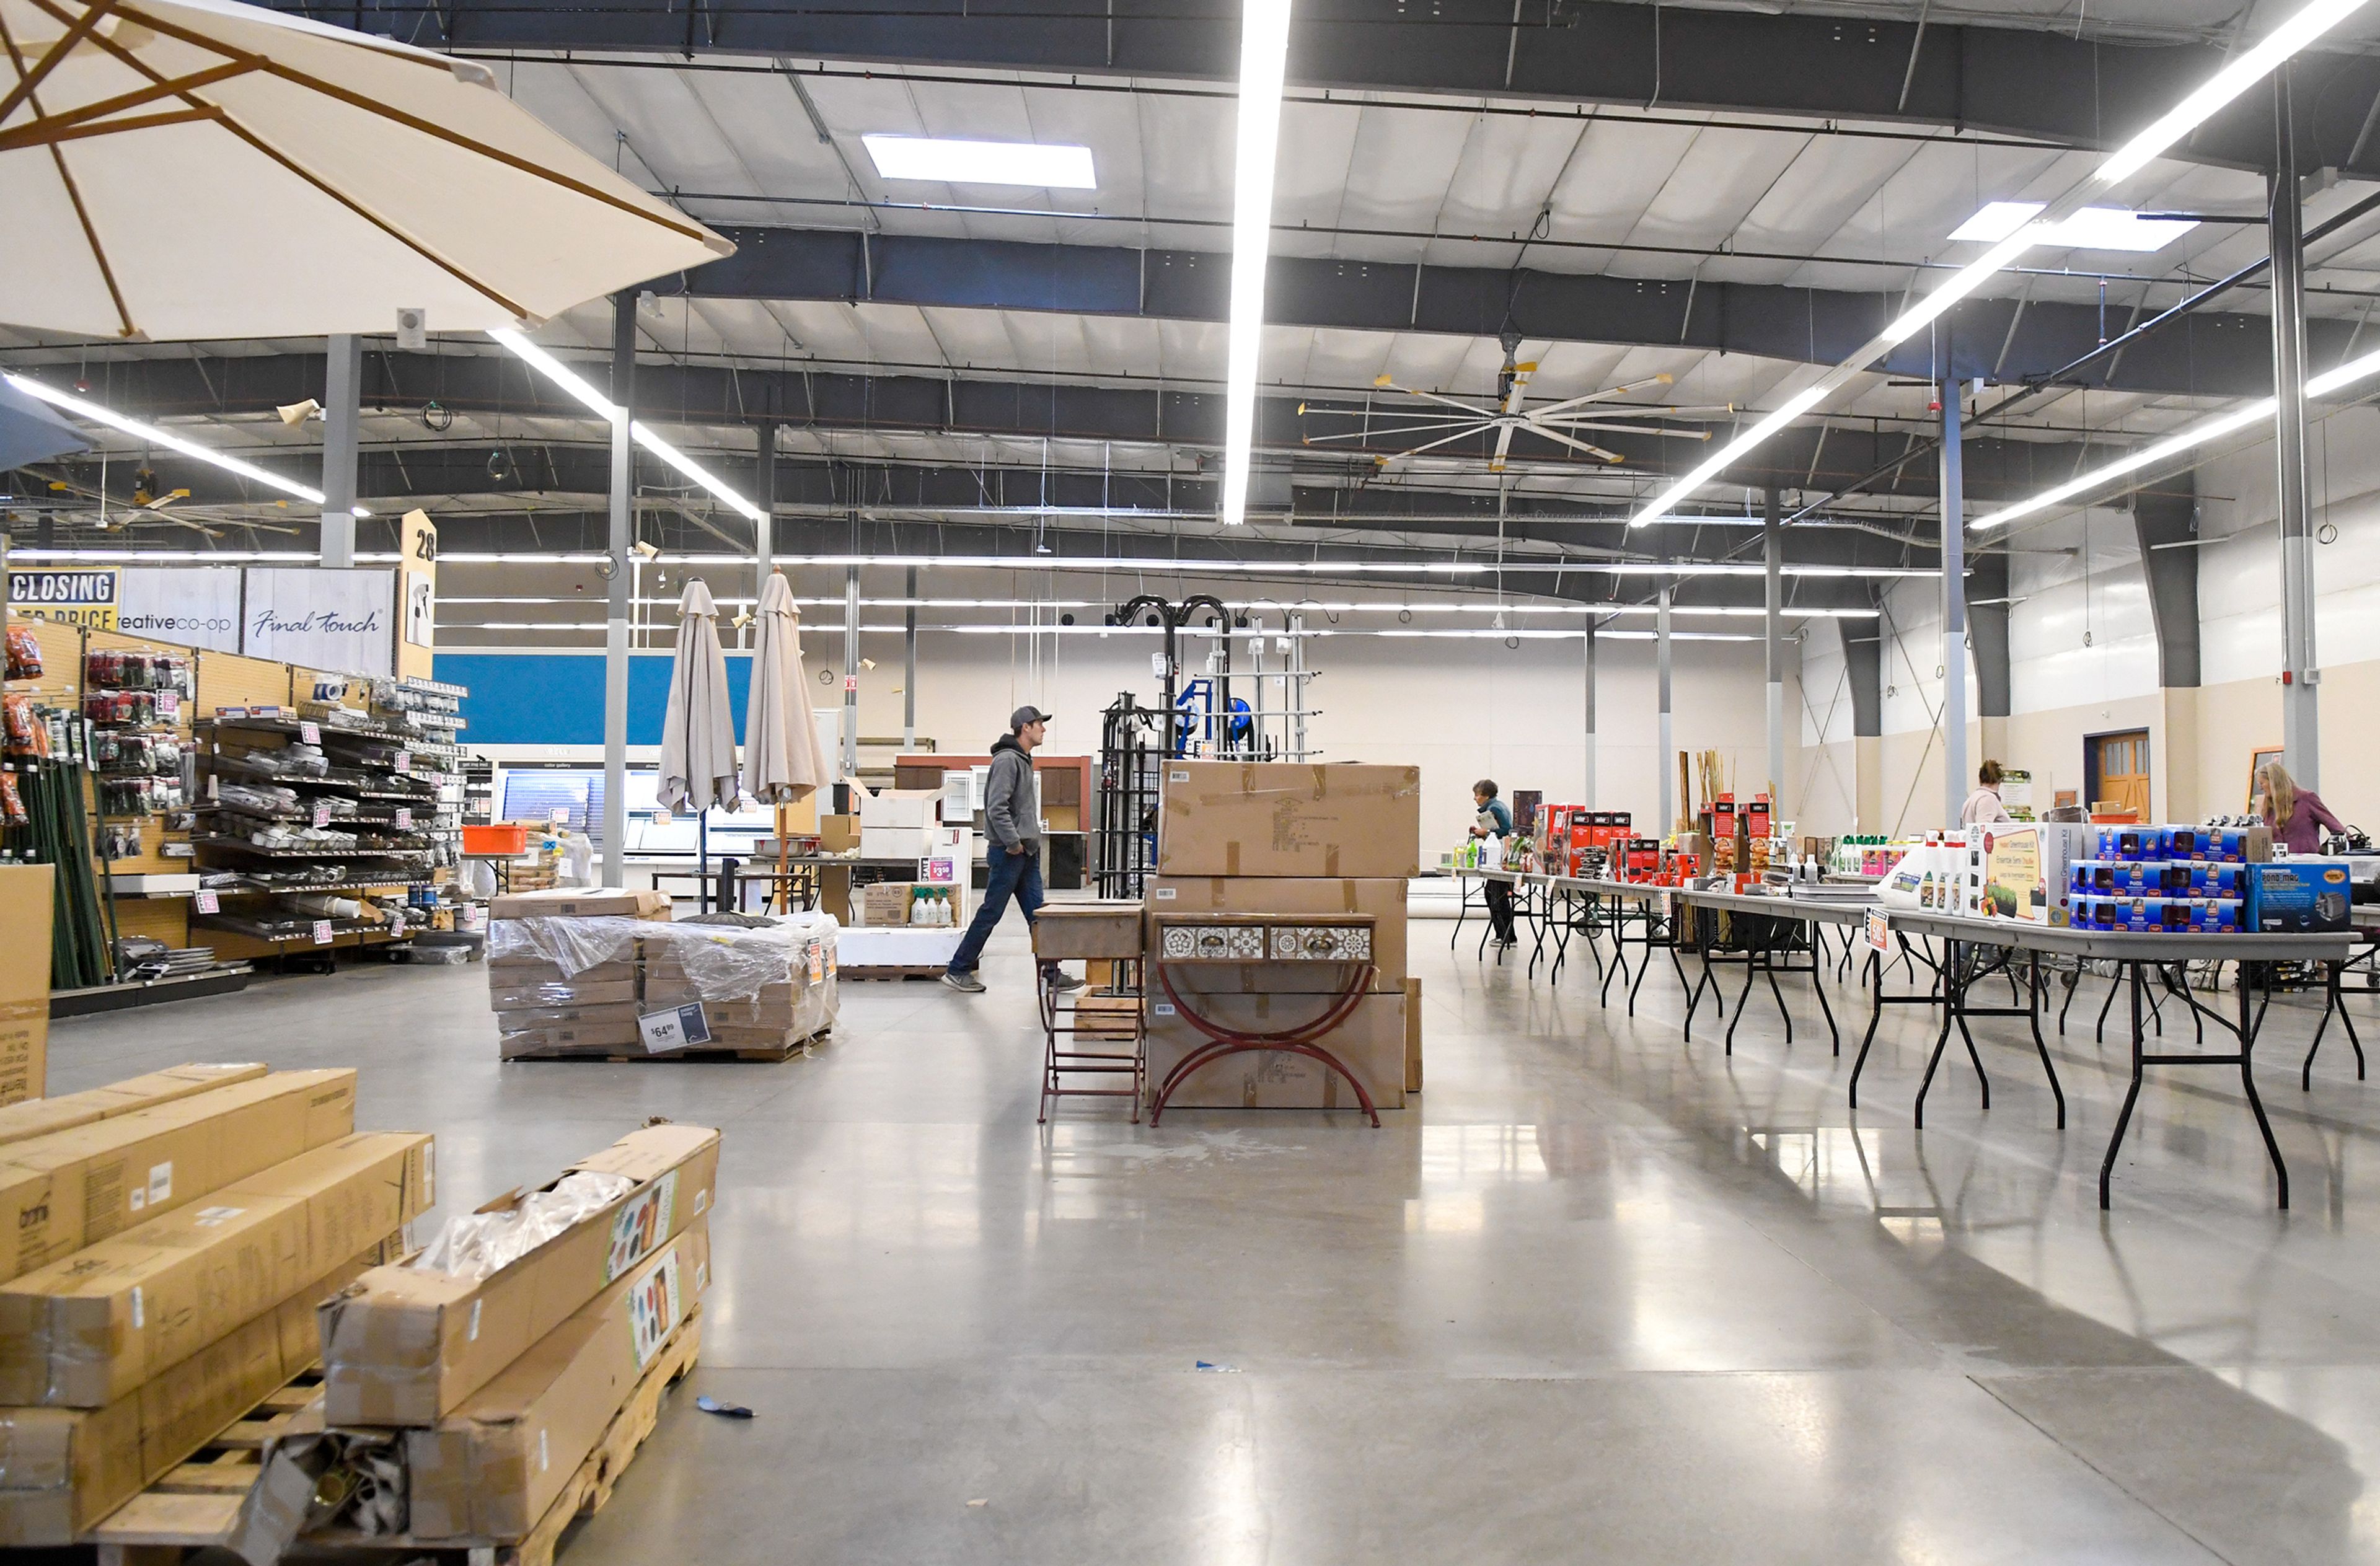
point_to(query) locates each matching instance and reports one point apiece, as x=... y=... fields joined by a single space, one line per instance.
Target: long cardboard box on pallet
x=71 y=1188
x=406 y=1346
x=39 y=1117
x=91 y=1327
x=489 y=1469
x=64 y=1469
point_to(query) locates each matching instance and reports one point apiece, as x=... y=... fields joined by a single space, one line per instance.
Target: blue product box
x=2225 y=844
x=2296 y=896
x=2221 y=916
x=2214 y=879
x=2190 y=842
x=2139 y=844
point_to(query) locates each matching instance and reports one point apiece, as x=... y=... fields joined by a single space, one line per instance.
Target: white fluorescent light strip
x=2227 y=84
x=2093 y=229
x=1264 y=59
x=593 y=625
x=576 y=385
x=149 y=433
x=1300 y=606
x=1048 y=166
x=2229 y=422
x=2289 y=38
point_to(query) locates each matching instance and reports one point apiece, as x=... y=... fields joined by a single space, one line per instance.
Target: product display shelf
x=389 y=784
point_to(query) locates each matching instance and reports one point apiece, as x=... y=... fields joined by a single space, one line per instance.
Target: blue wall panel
x=557 y=697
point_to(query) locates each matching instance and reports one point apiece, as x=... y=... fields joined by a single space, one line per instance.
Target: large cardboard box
x=404 y=1346
x=550 y=993
x=39 y=1117
x=577 y=902
x=73 y=1188
x=1289 y=819
x=63 y=1469
x=537 y=1019
x=1382 y=897
x=1371 y=1043
x=901 y=808
x=91 y=1327
x=25 y=898
x=492 y=1467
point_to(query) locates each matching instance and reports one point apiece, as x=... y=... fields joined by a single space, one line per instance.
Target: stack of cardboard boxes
x=1284 y=838
x=487 y=1404
x=164 y=1242
x=578 y=973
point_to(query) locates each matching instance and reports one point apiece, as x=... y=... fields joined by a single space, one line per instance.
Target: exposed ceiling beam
x=497 y=387
x=2213 y=354
x=2008 y=80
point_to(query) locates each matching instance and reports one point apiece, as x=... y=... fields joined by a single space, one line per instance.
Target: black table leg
x=2130 y=976
x=2033 y=1015
x=2248 y=1032
x=1875 y=1015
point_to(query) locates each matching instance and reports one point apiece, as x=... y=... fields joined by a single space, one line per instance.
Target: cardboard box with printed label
x=1370 y=1043
x=1382 y=897
x=73 y=1188
x=1289 y=819
x=63 y=1469
x=90 y=1327
x=492 y=1467
x=404 y=1346
x=578 y=902
x=39 y=1117
x=26 y=893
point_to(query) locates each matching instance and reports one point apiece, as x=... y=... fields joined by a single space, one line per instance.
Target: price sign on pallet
x=1880 y=929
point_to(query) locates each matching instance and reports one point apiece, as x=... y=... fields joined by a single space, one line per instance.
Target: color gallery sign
x=341 y=620
x=197 y=606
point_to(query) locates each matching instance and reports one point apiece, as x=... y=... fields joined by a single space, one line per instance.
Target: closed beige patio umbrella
x=698 y=727
x=782 y=764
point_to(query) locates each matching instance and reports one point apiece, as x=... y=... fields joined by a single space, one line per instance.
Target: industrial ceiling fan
x=1453 y=420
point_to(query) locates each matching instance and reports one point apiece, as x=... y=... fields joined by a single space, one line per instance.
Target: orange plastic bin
x=504 y=837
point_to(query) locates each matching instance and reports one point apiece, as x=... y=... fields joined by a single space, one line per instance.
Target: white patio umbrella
x=178 y=169
x=782 y=764
x=697 y=729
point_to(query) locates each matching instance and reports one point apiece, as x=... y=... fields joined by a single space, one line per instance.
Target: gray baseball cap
x=1024 y=715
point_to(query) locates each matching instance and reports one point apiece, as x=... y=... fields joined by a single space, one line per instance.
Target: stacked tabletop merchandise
x=484 y=1394
x=169 y=1239
x=606 y=974
x=1283 y=840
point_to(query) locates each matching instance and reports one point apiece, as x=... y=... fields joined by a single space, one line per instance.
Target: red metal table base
x=1299 y=1040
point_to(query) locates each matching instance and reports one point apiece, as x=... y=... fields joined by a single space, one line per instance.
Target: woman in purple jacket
x=2296 y=816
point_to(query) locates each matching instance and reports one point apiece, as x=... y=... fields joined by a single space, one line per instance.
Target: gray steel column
x=619 y=604
x=851 y=660
x=909 y=665
x=1588 y=798
x=1667 y=761
x=342 y=401
x=764 y=543
x=1954 y=610
x=2300 y=711
x=1772 y=530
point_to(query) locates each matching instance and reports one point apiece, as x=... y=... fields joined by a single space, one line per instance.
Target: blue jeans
x=1011 y=875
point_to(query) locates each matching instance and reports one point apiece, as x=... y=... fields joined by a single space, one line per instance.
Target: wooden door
x=2119 y=771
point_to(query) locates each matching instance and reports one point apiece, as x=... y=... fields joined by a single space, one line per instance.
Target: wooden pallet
x=764 y=1057
x=919 y=970
x=195 y=1505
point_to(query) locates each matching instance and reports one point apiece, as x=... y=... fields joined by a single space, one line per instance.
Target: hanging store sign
x=71 y=598
x=322 y=619
x=195 y=606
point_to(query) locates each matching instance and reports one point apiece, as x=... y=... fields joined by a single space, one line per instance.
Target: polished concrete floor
x=1599 y=1297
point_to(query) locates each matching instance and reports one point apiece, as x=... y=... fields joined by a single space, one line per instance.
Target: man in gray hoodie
x=1013 y=827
